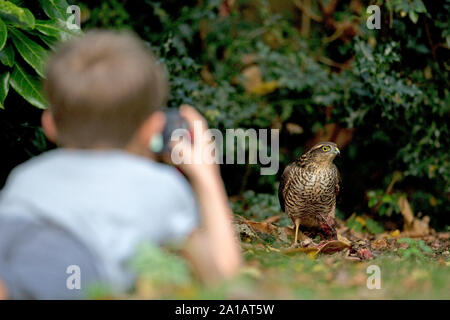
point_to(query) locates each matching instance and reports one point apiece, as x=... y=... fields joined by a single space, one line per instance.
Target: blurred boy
x=91 y=202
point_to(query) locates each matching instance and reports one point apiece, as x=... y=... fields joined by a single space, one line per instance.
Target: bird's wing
x=284 y=182
x=338 y=183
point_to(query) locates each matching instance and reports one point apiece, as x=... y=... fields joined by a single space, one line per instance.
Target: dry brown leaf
x=412 y=226
x=333 y=246
x=294 y=128
x=343 y=239
x=253 y=81
x=444 y=235
x=293 y=250
x=252 y=76
x=406 y=210
x=249 y=58
x=207 y=76
x=272 y=219
x=261 y=226
x=379 y=244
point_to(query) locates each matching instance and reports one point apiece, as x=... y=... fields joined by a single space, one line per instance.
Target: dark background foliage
x=316 y=73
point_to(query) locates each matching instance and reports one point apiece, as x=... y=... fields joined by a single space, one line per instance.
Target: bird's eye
x=325 y=148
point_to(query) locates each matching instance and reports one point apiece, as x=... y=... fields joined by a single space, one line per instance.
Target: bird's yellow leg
x=298 y=233
x=297 y=224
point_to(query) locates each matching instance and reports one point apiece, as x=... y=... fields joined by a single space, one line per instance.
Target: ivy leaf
x=3 y=34
x=27 y=86
x=55 y=9
x=7 y=55
x=31 y=52
x=4 y=88
x=16 y=16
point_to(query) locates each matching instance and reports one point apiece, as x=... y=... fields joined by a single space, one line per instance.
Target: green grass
x=268 y=274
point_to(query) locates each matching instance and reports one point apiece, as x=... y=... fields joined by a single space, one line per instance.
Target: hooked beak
x=336 y=151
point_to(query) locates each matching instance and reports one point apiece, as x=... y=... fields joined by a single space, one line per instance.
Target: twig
x=306 y=20
x=307 y=10
x=336 y=35
x=395 y=178
x=427 y=31
x=332 y=63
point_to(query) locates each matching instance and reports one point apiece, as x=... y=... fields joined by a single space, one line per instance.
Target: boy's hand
x=201 y=163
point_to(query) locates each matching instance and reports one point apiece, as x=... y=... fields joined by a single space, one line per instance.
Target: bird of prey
x=308 y=190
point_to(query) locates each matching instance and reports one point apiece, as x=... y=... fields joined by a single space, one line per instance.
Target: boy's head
x=102 y=87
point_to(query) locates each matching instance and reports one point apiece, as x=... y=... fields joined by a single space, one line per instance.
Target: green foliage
x=390 y=86
x=259 y=206
x=398 y=114
x=23 y=50
x=417 y=249
x=355 y=224
x=387 y=203
x=112 y=14
x=410 y=8
x=361 y=225
x=159 y=266
x=373 y=226
x=27 y=86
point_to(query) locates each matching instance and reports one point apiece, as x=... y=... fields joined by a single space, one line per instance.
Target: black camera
x=173 y=121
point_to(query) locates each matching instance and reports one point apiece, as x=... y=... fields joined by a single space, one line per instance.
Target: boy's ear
x=153 y=125
x=48 y=125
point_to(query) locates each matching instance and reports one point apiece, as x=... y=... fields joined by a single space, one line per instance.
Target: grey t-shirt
x=110 y=200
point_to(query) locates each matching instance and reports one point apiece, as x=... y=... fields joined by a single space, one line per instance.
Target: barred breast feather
x=308 y=191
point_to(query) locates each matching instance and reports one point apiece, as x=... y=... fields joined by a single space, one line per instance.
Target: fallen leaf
x=343 y=239
x=361 y=220
x=412 y=227
x=379 y=244
x=264 y=227
x=207 y=76
x=294 y=128
x=333 y=246
x=252 y=77
x=264 y=88
x=293 y=250
x=395 y=233
x=272 y=219
x=406 y=210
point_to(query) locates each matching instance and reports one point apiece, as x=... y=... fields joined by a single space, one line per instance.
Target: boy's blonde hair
x=101 y=87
